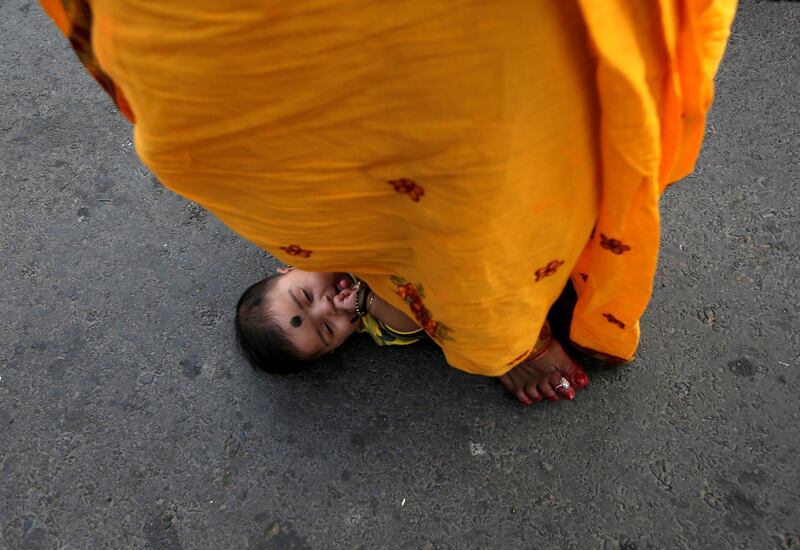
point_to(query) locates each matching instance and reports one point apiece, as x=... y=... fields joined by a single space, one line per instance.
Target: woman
x=478 y=156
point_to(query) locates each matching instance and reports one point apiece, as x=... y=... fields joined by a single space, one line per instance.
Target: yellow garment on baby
x=384 y=335
x=463 y=158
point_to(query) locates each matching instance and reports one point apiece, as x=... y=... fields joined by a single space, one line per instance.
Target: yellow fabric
x=454 y=155
x=384 y=335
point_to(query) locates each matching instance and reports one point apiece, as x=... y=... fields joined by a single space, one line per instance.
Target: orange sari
x=465 y=160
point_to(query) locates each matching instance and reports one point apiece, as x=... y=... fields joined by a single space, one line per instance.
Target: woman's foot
x=541 y=378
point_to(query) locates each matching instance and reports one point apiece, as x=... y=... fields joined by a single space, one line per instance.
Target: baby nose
x=326 y=305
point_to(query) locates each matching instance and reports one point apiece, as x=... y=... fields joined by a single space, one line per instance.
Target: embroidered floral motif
x=614 y=320
x=414 y=191
x=614 y=245
x=548 y=270
x=296 y=250
x=79 y=13
x=413 y=296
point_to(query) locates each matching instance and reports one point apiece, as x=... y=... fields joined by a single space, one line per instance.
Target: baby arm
x=390 y=315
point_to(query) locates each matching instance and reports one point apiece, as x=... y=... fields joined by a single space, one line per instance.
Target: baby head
x=294 y=317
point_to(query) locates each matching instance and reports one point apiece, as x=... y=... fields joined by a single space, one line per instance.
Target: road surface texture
x=127 y=419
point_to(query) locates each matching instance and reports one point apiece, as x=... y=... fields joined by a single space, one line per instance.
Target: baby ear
x=284 y=270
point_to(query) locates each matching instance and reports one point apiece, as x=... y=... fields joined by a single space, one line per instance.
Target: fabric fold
x=464 y=160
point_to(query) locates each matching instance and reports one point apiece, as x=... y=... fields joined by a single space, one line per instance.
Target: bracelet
x=359 y=313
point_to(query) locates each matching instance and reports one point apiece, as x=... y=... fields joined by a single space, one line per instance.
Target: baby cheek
x=345 y=328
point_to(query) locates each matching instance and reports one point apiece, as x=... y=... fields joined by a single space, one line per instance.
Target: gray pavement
x=127 y=420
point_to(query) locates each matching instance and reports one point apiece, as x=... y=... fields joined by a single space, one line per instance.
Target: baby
x=290 y=319
x=294 y=317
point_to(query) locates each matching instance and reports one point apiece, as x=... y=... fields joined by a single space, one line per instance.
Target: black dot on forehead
x=296 y=321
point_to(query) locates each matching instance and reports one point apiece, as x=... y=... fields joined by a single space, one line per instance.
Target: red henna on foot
x=579 y=378
x=534 y=380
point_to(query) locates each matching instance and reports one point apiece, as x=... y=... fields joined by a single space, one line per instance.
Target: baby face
x=314 y=310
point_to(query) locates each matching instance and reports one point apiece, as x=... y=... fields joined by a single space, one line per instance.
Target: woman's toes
x=566 y=393
x=522 y=397
x=562 y=386
x=579 y=377
x=546 y=387
x=533 y=393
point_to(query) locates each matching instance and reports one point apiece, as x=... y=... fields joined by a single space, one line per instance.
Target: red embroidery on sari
x=548 y=270
x=79 y=14
x=409 y=187
x=613 y=320
x=296 y=250
x=413 y=295
x=614 y=245
x=518 y=358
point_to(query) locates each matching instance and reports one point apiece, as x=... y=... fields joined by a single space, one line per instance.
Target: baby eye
x=307 y=295
x=329 y=329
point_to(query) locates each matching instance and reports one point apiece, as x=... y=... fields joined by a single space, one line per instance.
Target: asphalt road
x=127 y=420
